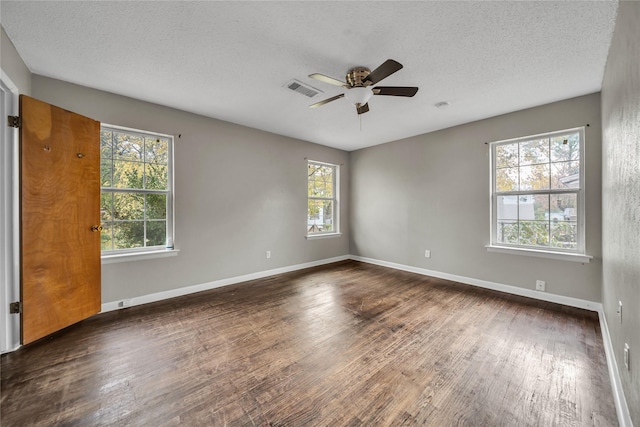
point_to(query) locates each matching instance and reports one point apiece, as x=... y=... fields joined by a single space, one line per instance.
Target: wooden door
x=59 y=205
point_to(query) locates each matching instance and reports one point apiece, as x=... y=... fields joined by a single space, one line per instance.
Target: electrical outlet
x=541 y=285
x=619 y=311
x=124 y=303
x=427 y=253
x=626 y=356
x=268 y=254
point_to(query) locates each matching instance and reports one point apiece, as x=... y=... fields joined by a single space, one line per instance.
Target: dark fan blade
x=395 y=90
x=326 y=101
x=382 y=72
x=328 y=79
x=362 y=109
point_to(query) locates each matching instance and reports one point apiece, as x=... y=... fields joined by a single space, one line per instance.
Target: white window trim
x=579 y=254
x=123 y=255
x=336 y=202
x=321 y=236
x=562 y=256
x=114 y=258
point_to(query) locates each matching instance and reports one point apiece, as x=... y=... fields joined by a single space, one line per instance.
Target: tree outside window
x=322 y=185
x=537 y=191
x=136 y=198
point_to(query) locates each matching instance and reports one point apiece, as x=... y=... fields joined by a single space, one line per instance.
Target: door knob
x=96 y=228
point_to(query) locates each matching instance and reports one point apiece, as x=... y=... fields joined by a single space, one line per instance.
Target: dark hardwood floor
x=346 y=344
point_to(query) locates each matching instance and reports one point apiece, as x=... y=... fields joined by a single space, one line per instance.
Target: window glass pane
x=565 y=175
x=156 y=177
x=105 y=144
x=156 y=206
x=565 y=147
x=507 y=231
x=526 y=207
x=128 y=206
x=156 y=150
x=534 y=152
x=105 y=172
x=320 y=180
x=566 y=205
x=507 y=155
x=534 y=233
x=128 y=234
x=320 y=216
x=156 y=233
x=507 y=179
x=534 y=177
x=564 y=234
x=507 y=217
x=507 y=207
x=106 y=206
x=128 y=174
x=540 y=206
x=128 y=147
x=106 y=242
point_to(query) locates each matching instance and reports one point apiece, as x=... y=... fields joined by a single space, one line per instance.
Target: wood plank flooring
x=348 y=344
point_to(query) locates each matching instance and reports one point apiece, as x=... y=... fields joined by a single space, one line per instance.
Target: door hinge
x=15 y=308
x=13 y=121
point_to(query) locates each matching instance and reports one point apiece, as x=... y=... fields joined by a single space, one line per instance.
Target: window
x=538 y=192
x=322 y=212
x=136 y=200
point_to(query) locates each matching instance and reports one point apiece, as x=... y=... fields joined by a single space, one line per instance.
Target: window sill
x=322 y=236
x=562 y=256
x=138 y=256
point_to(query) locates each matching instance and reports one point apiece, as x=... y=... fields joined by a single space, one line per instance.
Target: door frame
x=9 y=225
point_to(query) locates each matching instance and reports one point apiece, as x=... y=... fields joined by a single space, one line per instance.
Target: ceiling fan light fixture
x=358 y=95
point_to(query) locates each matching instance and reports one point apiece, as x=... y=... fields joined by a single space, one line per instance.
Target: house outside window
x=322 y=201
x=537 y=192
x=136 y=180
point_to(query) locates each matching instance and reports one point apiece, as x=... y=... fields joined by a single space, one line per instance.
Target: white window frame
x=335 y=199
x=167 y=249
x=578 y=254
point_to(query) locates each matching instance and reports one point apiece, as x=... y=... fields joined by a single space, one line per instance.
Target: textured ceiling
x=230 y=60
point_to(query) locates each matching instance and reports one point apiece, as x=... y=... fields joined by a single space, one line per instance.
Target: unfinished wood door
x=59 y=218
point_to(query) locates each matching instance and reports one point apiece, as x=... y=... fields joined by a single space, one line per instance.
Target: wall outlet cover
x=540 y=285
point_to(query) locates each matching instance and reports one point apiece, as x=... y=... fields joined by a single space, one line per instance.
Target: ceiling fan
x=359 y=82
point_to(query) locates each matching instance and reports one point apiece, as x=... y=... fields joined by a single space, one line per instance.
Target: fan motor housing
x=356 y=75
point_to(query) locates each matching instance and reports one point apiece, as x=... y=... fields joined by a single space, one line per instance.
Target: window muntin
x=322 y=200
x=537 y=192
x=136 y=200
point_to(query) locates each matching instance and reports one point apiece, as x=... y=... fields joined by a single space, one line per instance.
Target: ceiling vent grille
x=304 y=89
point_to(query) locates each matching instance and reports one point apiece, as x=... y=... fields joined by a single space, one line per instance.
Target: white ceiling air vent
x=305 y=89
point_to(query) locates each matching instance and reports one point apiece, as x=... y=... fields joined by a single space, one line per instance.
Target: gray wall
x=239 y=192
x=432 y=192
x=13 y=66
x=621 y=196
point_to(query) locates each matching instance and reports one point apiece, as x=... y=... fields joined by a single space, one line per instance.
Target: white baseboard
x=159 y=296
x=622 y=410
x=515 y=290
x=624 y=416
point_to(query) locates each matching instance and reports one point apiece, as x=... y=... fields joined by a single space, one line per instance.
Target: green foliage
x=539 y=164
x=553 y=234
x=133 y=163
